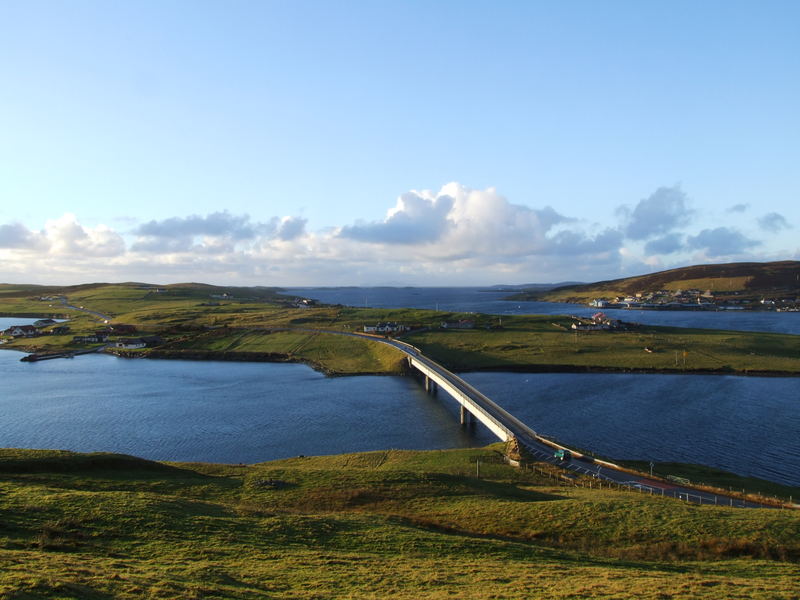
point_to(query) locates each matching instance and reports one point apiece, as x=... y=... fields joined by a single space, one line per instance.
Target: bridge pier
x=466 y=417
x=430 y=385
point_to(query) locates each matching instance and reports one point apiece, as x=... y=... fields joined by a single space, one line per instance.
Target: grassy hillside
x=748 y=279
x=393 y=524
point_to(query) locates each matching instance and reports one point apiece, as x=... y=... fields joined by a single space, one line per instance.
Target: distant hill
x=744 y=279
x=8 y=290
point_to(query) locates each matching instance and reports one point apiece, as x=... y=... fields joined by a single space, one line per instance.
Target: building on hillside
x=581 y=326
x=389 y=327
x=44 y=323
x=130 y=343
x=138 y=343
x=21 y=331
x=462 y=324
x=598 y=322
x=92 y=338
x=121 y=329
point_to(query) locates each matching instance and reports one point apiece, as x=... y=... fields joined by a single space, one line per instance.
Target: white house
x=131 y=343
x=21 y=331
x=385 y=328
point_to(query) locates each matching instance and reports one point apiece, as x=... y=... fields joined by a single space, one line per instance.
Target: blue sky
x=412 y=143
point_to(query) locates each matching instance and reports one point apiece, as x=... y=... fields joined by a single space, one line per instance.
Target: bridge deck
x=506 y=426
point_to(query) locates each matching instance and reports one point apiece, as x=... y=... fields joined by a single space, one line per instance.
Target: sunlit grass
x=397 y=524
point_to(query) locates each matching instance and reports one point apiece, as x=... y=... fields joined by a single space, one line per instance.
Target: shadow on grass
x=62 y=461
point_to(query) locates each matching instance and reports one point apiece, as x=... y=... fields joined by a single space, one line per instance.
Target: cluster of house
x=303 y=302
x=124 y=343
x=101 y=335
x=462 y=324
x=17 y=331
x=690 y=299
x=35 y=330
x=137 y=343
x=391 y=327
x=388 y=327
x=598 y=322
x=98 y=337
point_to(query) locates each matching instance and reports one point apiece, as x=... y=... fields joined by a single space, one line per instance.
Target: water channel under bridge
x=475 y=404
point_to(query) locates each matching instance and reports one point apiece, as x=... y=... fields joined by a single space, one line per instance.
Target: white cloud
x=773 y=222
x=459 y=223
x=668 y=244
x=453 y=236
x=663 y=211
x=67 y=237
x=16 y=235
x=416 y=218
x=291 y=228
x=721 y=241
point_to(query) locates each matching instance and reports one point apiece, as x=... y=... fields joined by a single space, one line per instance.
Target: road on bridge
x=537 y=447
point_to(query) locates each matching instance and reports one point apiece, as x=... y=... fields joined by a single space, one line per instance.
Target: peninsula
x=198 y=321
x=733 y=286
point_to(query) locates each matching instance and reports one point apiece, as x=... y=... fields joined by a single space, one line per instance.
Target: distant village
x=694 y=299
x=388 y=328
x=120 y=332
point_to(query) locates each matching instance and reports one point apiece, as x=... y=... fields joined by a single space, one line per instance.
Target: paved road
x=99 y=315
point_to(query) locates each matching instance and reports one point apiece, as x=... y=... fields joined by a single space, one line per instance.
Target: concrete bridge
x=475 y=405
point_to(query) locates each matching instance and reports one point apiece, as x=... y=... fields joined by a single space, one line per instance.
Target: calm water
x=250 y=412
x=747 y=425
x=215 y=411
x=491 y=302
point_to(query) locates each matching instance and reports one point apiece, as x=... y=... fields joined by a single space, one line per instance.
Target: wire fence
x=585 y=478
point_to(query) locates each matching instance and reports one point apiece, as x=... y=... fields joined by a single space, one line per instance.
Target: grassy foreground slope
x=255 y=324
x=392 y=524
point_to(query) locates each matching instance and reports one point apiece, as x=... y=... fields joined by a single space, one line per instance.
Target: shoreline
x=276 y=357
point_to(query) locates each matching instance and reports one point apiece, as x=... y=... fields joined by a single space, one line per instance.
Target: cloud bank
x=453 y=236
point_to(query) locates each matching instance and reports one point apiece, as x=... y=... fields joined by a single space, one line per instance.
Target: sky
x=301 y=143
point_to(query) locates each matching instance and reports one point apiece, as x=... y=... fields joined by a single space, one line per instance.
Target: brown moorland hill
x=749 y=277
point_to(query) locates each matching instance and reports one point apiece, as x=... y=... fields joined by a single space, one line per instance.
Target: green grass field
x=392 y=524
